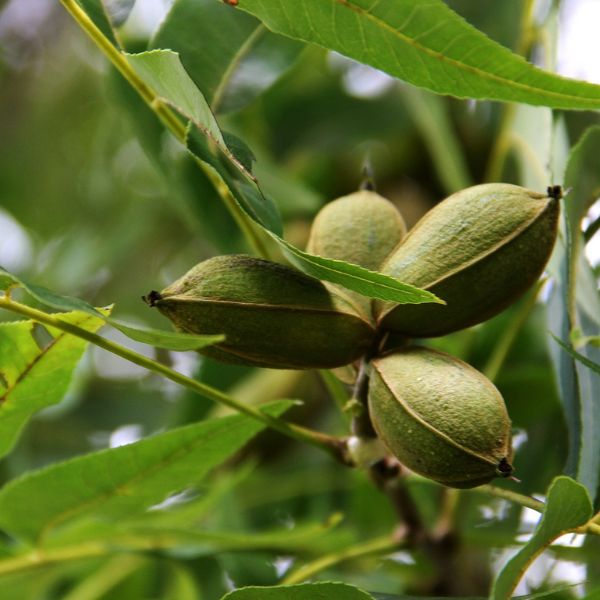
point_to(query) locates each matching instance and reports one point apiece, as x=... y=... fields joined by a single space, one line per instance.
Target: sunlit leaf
x=125 y=481
x=426 y=44
x=33 y=376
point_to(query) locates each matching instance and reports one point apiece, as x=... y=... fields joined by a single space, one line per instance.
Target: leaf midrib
x=472 y=69
x=43 y=353
x=139 y=476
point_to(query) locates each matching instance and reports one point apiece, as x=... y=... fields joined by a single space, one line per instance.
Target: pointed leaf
x=305 y=591
x=125 y=481
x=171 y=340
x=426 y=44
x=33 y=377
x=568 y=506
x=354 y=277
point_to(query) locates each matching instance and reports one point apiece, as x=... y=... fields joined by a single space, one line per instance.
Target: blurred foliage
x=111 y=207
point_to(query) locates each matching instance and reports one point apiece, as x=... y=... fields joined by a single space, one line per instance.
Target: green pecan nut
x=479 y=250
x=440 y=417
x=272 y=315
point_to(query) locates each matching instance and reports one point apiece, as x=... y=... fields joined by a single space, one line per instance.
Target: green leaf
x=162 y=71
x=240 y=150
x=568 y=506
x=579 y=307
x=305 y=591
x=559 y=325
x=587 y=310
x=359 y=279
x=171 y=340
x=426 y=44
x=230 y=70
x=122 y=482
x=33 y=376
x=531 y=140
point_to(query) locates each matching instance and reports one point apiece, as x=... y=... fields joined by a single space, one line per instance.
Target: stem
x=123 y=543
x=515 y=497
x=167 y=116
x=378 y=545
x=388 y=477
x=361 y=422
x=329 y=444
x=39 y=558
x=529 y=502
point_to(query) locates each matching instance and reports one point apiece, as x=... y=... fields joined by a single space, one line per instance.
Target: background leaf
x=426 y=44
x=112 y=484
x=567 y=507
x=231 y=70
x=575 y=303
x=33 y=376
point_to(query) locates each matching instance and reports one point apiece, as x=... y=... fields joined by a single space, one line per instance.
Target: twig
x=380 y=545
x=332 y=445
